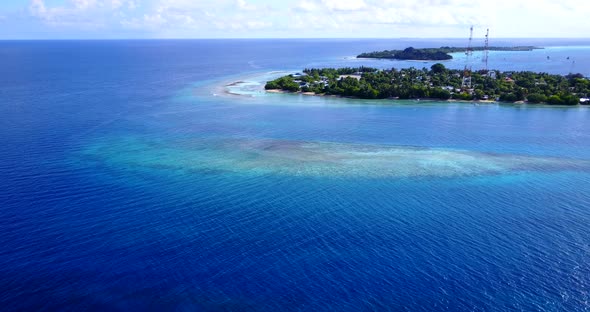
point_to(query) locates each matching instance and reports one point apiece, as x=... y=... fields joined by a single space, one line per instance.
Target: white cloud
x=37 y=8
x=257 y=24
x=344 y=5
x=183 y=17
x=120 y=4
x=307 y=6
x=84 y=4
x=318 y=18
x=79 y=12
x=245 y=6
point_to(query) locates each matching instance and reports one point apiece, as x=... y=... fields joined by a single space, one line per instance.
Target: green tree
x=438 y=68
x=570 y=99
x=536 y=98
x=555 y=100
x=478 y=93
x=463 y=96
x=508 y=97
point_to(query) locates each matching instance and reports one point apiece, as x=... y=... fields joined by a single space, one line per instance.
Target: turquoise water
x=157 y=175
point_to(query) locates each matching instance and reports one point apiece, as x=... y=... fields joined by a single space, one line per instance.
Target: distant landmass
x=433 y=54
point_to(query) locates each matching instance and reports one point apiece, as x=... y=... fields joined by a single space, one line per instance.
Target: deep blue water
x=131 y=182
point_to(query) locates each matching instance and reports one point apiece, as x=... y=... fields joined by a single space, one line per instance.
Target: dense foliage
x=436 y=54
x=437 y=82
x=410 y=54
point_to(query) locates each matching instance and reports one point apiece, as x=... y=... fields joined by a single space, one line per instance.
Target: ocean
x=157 y=175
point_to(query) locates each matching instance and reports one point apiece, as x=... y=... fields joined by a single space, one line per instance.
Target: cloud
x=120 y=4
x=182 y=17
x=240 y=16
x=306 y=6
x=84 y=4
x=38 y=9
x=383 y=18
x=313 y=18
x=243 y=5
x=80 y=12
x=344 y=5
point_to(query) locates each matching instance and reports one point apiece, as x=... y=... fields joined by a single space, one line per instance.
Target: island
x=433 y=54
x=437 y=83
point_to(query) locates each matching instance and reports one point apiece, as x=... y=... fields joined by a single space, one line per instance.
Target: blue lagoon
x=157 y=175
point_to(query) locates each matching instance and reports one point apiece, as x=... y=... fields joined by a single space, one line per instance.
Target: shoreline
x=429 y=100
x=402 y=60
x=258 y=81
x=255 y=80
x=279 y=91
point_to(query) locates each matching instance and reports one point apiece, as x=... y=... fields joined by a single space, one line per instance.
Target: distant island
x=433 y=54
x=437 y=83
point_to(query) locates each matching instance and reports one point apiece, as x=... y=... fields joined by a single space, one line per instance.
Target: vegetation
x=410 y=54
x=284 y=83
x=434 y=54
x=437 y=82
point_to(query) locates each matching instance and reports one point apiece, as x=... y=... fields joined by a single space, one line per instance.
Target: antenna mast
x=572 y=66
x=467 y=71
x=486 y=50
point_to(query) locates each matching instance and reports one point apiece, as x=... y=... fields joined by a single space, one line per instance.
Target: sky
x=122 y=19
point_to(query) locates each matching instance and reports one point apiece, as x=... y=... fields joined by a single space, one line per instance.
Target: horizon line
x=288 y=38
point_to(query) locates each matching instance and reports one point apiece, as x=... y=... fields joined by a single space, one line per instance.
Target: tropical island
x=433 y=54
x=437 y=83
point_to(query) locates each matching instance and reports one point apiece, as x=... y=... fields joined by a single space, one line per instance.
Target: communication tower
x=466 y=84
x=486 y=50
